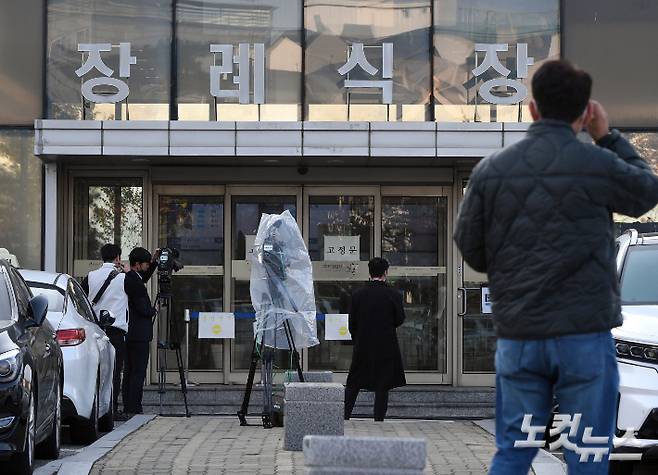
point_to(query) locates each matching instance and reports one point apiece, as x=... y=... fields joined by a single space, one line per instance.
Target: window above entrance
x=297 y=60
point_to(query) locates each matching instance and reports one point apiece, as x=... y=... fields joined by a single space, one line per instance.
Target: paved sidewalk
x=206 y=445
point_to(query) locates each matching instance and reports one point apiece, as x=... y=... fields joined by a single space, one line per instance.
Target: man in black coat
x=140 y=327
x=376 y=311
x=537 y=217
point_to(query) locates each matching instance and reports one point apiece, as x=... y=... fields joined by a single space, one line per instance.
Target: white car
x=87 y=351
x=636 y=342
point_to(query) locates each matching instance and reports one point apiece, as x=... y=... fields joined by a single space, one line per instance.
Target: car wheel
x=49 y=448
x=106 y=423
x=85 y=431
x=23 y=463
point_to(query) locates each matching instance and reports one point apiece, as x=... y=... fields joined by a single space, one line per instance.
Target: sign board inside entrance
x=342 y=248
x=216 y=325
x=486 y=301
x=336 y=327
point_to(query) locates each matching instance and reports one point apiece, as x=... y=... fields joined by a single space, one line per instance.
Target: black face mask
x=142 y=273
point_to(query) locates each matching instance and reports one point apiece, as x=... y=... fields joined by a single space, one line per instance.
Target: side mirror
x=37 y=311
x=106 y=319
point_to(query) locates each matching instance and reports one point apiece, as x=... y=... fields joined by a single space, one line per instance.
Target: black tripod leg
x=266 y=369
x=183 y=383
x=293 y=348
x=244 y=409
x=161 y=376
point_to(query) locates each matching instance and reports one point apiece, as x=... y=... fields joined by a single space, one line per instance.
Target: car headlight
x=9 y=366
x=636 y=351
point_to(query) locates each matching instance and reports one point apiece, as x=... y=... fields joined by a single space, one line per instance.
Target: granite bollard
x=324 y=455
x=312 y=409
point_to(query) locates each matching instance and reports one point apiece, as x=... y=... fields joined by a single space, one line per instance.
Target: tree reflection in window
x=646 y=145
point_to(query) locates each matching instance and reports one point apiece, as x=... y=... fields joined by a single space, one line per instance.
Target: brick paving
x=211 y=445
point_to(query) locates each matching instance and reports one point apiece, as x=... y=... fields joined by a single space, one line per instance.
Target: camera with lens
x=168 y=263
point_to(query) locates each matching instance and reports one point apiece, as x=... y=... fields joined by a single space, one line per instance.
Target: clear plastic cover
x=282 y=284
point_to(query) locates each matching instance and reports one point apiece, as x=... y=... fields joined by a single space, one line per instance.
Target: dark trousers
x=137 y=359
x=381 y=402
x=118 y=339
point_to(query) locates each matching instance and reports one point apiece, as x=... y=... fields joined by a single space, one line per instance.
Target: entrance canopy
x=385 y=143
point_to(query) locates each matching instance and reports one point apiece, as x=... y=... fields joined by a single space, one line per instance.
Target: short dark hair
x=139 y=255
x=109 y=252
x=377 y=266
x=561 y=90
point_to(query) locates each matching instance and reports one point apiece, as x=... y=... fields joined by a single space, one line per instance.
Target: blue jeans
x=580 y=370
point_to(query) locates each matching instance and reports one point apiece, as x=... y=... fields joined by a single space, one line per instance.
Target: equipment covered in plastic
x=282 y=285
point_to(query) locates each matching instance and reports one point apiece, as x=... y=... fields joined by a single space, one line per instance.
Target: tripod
x=274 y=264
x=167 y=343
x=258 y=352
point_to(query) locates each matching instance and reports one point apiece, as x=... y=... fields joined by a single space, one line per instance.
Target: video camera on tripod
x=168 y=263
x=169 y=339
x=281 y=289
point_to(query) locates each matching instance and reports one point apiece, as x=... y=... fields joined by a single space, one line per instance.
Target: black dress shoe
x=123 y=416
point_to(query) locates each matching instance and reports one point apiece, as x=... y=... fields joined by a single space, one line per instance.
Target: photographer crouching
x=140 y=327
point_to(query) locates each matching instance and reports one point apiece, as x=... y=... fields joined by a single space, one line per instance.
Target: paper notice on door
x=249 y=244
x=216 y=325
x=486 y=301
x=336 y=327
x=342 y=248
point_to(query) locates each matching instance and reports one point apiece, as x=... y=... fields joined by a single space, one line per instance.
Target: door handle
x=462 y=292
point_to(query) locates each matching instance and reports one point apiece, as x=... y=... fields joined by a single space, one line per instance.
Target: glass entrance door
x=475 y=328
x=191 y=219
x=415 y=242
x=247 y=206
x=344 y=227
x=341 y=237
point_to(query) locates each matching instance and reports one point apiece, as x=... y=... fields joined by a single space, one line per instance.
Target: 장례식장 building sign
x=239 y=65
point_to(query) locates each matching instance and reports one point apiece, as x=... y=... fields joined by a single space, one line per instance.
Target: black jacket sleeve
x=138 y=297
x=469 y=229
x=149 y=273
x=633 y=187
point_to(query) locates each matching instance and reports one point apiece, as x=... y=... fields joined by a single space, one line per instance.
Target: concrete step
x=414 y=402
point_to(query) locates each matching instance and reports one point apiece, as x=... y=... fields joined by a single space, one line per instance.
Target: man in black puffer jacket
x=537 y=217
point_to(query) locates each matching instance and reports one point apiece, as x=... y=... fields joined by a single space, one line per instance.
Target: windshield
x=5 y=304
x=639 y=278
x=54 y=295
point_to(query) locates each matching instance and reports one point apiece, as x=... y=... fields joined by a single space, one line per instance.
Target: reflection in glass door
x=193 y=223
x=341 y=239
x=414 y=241
x=246 y=211
x=106 y=210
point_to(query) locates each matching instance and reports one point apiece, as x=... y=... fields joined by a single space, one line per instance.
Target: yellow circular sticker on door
x=342 y=331
x=217 y=329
